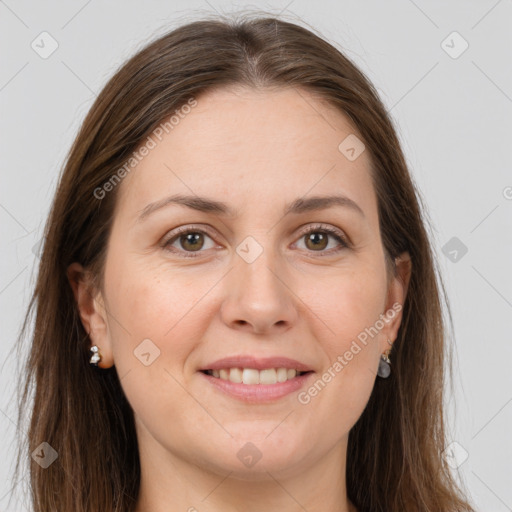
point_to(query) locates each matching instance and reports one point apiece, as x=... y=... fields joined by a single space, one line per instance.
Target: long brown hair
x=394 y=460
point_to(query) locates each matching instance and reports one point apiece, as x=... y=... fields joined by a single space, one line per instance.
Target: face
x=263 y=271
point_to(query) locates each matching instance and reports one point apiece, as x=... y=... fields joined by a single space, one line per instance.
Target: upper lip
x=241 y=361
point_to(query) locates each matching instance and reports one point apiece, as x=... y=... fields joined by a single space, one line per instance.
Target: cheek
x=157 y=303
x=348 y=304
x=153 y=329
x=350 y=308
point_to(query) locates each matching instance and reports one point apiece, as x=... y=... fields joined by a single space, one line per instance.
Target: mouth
x=253 y=386
x=253 y=376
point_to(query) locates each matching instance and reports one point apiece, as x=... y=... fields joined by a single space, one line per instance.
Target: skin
x=256 y=150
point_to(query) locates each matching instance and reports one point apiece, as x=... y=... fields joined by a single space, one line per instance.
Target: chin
x=253 y=460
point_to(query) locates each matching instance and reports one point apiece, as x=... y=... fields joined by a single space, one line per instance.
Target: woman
x=237 y=304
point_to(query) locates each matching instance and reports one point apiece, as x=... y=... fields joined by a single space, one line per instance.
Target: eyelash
x=312 y=229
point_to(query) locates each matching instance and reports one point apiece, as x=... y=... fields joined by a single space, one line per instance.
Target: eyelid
x=177 y=232
x=309 y=228
x=331 y=230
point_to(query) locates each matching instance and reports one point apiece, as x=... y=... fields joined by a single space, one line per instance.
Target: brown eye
x=317 y=240
x=192 y=241
x=188 y=242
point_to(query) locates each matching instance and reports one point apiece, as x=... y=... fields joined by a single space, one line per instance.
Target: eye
x=317 y=239
x=189 y=240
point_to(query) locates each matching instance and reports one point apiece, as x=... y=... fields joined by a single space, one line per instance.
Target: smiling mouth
x=251 y=376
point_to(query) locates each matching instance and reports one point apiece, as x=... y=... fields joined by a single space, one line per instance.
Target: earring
x=385 y=364
x=96 y=356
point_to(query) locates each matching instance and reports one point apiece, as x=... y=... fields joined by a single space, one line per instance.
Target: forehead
x=251 y=148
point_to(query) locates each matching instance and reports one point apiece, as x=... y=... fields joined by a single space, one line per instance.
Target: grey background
x=453 y=116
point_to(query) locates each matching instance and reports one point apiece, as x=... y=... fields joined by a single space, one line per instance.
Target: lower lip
x=258 y=392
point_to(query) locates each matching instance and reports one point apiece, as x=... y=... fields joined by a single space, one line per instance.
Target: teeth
x=268 y=376
x=253 y=376
x=249 y=376
x=282 y=374
x=234 y=375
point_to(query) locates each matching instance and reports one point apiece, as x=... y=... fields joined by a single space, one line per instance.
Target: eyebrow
x=204 y=204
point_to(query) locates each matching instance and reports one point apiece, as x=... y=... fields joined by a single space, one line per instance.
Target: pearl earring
x=96 y=356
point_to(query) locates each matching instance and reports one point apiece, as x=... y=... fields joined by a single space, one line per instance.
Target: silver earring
x=96 y=356
x=385 y=364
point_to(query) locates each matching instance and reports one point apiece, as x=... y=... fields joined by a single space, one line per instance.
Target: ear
x=397 y=293
x=92 y=310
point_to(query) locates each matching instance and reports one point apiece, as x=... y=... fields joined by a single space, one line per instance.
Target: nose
x=258 y=299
